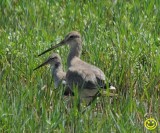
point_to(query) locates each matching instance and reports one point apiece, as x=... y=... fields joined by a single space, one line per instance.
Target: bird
x=88 y=78
x=58 y=75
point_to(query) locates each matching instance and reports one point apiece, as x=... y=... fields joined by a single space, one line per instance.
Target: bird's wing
x=82 y=77
x=88 y=72
x=60 y=78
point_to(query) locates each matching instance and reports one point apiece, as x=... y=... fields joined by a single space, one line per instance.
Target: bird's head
x=54 y=60
x=73 y=38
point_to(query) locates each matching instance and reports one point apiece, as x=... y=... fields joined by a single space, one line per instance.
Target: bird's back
x=84 y=75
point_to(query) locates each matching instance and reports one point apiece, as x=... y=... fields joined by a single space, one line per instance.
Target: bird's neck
x=75 y=51
x=55 y=74
x=55 y=71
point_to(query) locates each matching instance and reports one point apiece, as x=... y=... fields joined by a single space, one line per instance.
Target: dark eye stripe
x=71 y=36
x=74 y=36
x=53 y=58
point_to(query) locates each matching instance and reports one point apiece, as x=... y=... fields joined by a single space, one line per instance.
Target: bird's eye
x=53 y=58
x=71 y=37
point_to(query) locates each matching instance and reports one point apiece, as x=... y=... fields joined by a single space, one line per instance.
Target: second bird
x=59 y=76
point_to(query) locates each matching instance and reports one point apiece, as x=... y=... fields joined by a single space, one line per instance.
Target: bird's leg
x=93 y=99
x=79 y=104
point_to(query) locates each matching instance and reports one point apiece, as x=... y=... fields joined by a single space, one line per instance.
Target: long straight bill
x=43 y=64
x=53 y=47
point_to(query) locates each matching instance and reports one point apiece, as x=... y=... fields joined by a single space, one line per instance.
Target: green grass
x=121 y=37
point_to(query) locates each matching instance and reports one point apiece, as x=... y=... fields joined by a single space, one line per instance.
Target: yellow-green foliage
x=122 y=37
